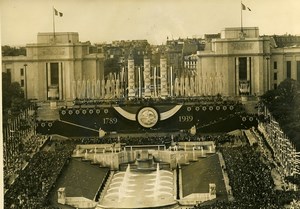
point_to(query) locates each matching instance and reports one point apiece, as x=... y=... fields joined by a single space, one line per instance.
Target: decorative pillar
x=74 y=89
x=61 y=195
x=68 y=77
x=78 y=89
x=171 y=83
x=140 y=83
x=60 y=81
x=163 y=77
x=147 y=80
x=237 y=81
x=248 y=76
x=154 y=82
x=48 y=78
x=131 y=83
x=248 y=68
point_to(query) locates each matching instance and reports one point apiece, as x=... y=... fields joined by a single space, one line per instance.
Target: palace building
x=246 y=64
x=52 y=64
x=232 y=63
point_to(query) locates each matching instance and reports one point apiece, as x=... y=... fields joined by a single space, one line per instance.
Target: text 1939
x=185 y=118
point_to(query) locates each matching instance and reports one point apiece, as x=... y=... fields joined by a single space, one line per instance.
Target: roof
x=287 y=41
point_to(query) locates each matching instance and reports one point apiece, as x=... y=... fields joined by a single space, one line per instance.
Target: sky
x=100 y=21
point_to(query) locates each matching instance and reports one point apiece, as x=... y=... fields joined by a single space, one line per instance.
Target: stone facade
x=52 y=65
x=243 y=64
x=231 y=64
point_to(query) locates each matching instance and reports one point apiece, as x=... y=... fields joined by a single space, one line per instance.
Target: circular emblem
x=43 y=124
x=84 y=112
x=244 y=119
x=63 y=112
x=197 y=108
x=217 y=107
x=231 y=107
x=204 y=108
x=70 y=112
x=105 y=111
x=224 y=107
x=251 y=118
x=98 y=111
x=189 y=109
x=211 y=108
x=147 y=117
x=91 y=111
x=49 y=124
x=77 y=112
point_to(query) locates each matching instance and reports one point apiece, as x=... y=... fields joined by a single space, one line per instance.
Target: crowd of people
x=250 y=179
x=166 y=140
x=251 y=182
x=34 y=183
x=26 y=149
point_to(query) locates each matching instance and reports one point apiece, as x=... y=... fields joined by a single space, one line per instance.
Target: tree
x=12 y=97
x=5 y=93
x=13 y=51
x=111 y=66
x=284 y=104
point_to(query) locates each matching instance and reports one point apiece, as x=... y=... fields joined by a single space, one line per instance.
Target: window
x=22 y=71
x=288 y=69
x=275 y=76
x=242 y=68
x=54 y=73
x=22 y=83
x=275 y=65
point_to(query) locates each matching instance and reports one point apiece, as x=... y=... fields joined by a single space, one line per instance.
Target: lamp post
x=25 y=80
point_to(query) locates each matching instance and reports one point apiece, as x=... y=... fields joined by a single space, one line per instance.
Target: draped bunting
x=125 y=114
x=170 y=113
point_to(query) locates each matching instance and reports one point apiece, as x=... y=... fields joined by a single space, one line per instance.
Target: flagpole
x=241 y=18
x=53 y=23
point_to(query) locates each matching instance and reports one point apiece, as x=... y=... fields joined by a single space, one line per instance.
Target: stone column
x=163 y=77
x=131 y=82
x=60 y=80
x=171 y=82
x=147 y=80
x=237 y=82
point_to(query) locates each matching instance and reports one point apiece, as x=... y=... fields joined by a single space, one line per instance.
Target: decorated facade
x=230 y=64
x=53 y=64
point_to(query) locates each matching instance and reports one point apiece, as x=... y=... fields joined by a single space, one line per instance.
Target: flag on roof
x=57 y=13
x=245 y=8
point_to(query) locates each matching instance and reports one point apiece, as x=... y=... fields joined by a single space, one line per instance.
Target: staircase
x=46 y=112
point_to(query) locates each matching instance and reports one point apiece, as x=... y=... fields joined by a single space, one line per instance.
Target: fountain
x=126 y=186
x=119 y=187
x=85 y=155
x=194 y=157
